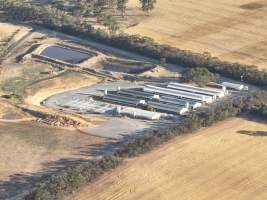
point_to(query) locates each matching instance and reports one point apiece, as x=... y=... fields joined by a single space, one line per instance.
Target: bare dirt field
x=29 y=151
x=225 y=161
x=232 y=30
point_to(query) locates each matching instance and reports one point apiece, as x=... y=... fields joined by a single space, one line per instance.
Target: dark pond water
x=67 y=55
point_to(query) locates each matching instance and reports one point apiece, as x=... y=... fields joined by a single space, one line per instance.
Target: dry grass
x=26 y=147
x=217 y=163
x=30 y=151
x=233 y=30
x=67 y=81
x=6 y=30
x=10 y=112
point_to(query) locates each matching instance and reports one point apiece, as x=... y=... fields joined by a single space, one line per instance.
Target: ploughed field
x=233 y=30
x=225 y=161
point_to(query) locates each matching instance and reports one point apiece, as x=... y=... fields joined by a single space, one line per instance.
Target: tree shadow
x=19 y=184
x=253 y=118
x=253 y=133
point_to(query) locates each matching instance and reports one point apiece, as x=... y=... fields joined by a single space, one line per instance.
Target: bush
x=72 y=179
x=199 y=75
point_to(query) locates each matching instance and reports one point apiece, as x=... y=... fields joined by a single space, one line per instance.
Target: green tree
x=199 y=75
x=121 y=6
x=148 y=5
x=111 y=23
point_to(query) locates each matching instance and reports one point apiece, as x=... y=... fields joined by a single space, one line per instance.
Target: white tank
x=118 y=110
x=233 y=86
x=187 y=105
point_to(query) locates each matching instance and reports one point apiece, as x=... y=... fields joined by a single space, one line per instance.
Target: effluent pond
x=66 y=54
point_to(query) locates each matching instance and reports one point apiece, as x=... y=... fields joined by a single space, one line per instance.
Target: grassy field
x=233 y=30
x=225 y=161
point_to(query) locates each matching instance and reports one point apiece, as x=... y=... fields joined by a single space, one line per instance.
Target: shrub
x=199 y=75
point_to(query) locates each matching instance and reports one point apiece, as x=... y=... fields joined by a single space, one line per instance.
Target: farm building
x=197 y=90
x=138 y=93
x=139 y=113
x=172 y=98
x=167 y=107
x=177 y=93
x=235 y=86
x=123 y=100
x=187 y=103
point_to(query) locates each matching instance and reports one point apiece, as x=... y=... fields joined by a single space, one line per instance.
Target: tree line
x=59 y=20
x=97 y=7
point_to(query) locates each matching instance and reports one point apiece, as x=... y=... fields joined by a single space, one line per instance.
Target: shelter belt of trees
x=54 y=18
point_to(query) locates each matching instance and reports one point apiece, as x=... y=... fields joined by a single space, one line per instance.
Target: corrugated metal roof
x=196 y=90
x=139 y=113
x=168 y=91
x=136 y=93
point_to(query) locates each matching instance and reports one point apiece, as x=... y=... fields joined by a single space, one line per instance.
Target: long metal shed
x=184 y=102
x=119 y=99
x=170 y=108
x=181 y=94
x=137 y=93
x=180 y=98
x=197 y=90
x=235 y=86
x=139 y=113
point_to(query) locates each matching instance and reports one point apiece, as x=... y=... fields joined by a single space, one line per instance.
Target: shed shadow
x=253 y=133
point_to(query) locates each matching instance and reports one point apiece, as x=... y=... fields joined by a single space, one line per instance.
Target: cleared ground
x=233 y=30
x=29 y=151
x=7 y=30
x=10 y=112
x=66 y=81
x=225 y=161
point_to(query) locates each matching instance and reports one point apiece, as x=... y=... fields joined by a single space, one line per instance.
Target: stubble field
x=232 y=30
x=225 y=161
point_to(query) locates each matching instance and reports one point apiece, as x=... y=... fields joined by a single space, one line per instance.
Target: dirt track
x=219 y=163
x=222 y=28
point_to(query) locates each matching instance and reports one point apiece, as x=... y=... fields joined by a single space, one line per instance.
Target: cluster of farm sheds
x=147 y=102
x=153 y=102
